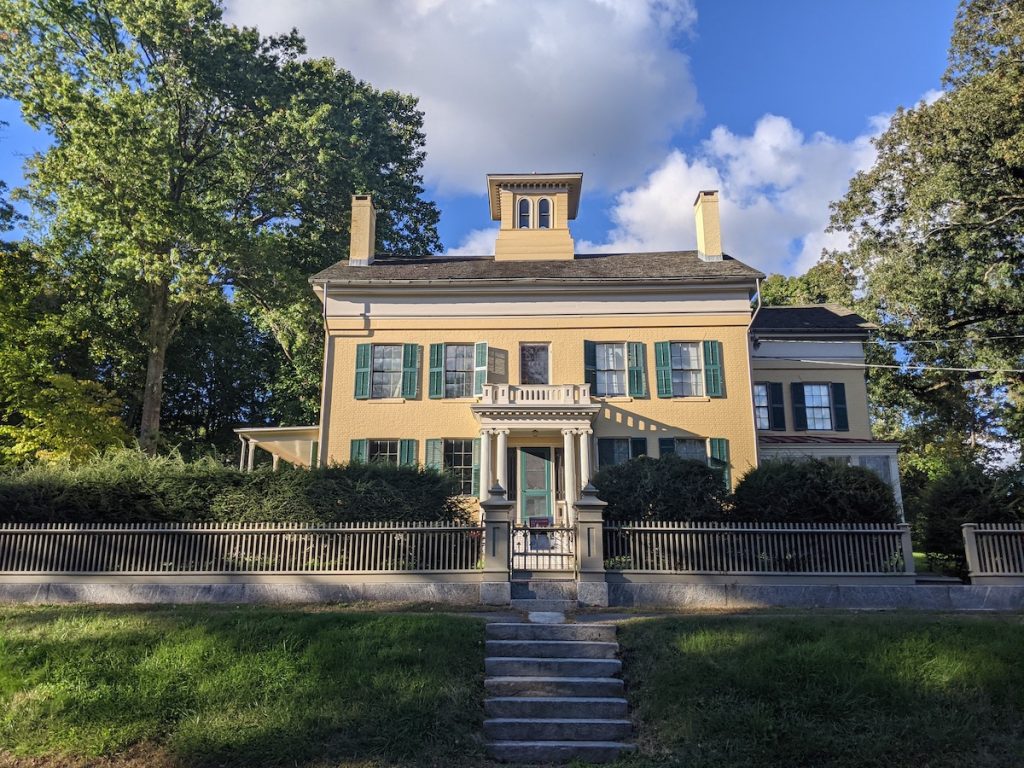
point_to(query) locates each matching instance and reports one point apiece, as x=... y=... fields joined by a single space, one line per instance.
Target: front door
x=535 y=495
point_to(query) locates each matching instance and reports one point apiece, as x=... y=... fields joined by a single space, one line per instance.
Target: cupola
x=534 y=210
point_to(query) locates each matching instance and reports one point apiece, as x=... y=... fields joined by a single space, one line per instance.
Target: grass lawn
x=205 y=686
x=844 y=690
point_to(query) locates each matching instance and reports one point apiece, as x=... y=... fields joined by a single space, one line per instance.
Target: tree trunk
x=161 y=329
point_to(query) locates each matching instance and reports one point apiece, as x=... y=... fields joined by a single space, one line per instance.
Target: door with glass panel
x=535 y=495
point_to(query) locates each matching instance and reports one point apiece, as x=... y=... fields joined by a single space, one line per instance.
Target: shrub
x=668 y=488
x=128 y=486
x=813 y=491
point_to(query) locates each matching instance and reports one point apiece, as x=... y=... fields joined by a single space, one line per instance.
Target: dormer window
x=524 y=213
x=544 y=213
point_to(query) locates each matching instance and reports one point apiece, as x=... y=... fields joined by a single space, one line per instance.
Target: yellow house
x=535 y=367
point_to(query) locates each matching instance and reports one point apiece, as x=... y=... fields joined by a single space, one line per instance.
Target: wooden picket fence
x=230 y=548
x=761 y=548
x=995 y=551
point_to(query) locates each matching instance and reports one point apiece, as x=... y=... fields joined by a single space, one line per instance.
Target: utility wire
x=884 y=365
x=880 y=341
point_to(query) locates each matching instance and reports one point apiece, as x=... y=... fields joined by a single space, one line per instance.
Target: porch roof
x=293 y=444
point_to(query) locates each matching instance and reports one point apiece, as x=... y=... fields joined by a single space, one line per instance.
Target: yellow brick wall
x=730 y=417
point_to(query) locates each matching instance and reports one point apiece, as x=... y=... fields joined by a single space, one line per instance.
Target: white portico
x=535 y=441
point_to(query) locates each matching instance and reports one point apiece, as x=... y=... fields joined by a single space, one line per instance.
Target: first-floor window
x=686 y=376
x=611 y=369
x=690 y=448
x=818 y=401
x=616 y=450
x=382 y=450
x=386 y=375
x=458 y=460
x=458 y=370
x=762 y=413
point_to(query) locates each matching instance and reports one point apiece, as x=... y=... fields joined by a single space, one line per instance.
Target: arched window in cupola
x=524 y=213
x=544 y=213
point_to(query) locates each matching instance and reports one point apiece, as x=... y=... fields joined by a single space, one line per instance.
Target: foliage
x=828 y=282
x=238 y=686
x=813 y=491
x=190 y=158
x=936 y=230
x=667 y=488
x=964 y=493
x=129 y=486
x=840 y=691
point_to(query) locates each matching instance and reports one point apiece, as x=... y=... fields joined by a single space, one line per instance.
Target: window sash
x=544 y=214
x=524 y=213
x=818 y=406
x=458 y=460
x=691 y=448
x=533 y=364
x=611 y=369
x=386 y=371
x=687 y=380
x=382 y=450
x=762 y=413
x=612 y=451
x=458 y=370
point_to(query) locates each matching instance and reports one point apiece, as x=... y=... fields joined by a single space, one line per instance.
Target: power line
x=881 y=341
x=884 y=365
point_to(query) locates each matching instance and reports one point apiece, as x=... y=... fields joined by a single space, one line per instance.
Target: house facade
x=535 y=367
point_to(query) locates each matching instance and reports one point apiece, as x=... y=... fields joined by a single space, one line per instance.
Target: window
x=458 y=460
x=818 y=405
x=686 y=375
x=524 y=213
x=386 y=376
x=458 y=370
x=533 y=364
x=382 y=450
x=544 y=214
x=611 y=369
x=879 y=465
x=762 y=412
x=616 y=450
x=690 y=448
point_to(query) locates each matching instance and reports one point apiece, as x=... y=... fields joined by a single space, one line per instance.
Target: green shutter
x=605 y=452
x=359 y=450
x=796 y=393
x=839 y=410
x=476 y=467
x=434 y=453
x=663 y=364
x=364 y=354
x=480 y=367
x=590 y=365
x=407 y=450
x=713 y=383
x=437 y=355
x=637 y=447
x=410 y=371
x=720 y=459
x=636 y=357
x=776 y=407
x=666 y=446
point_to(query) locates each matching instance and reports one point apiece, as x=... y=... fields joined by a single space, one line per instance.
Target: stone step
x=557 y=751
x=557 y=729
x=505 y=666
x=554 y=686
x=552 y=649
x=574 y=707
x=544 y=590
x=603 y=633
x=529 y=604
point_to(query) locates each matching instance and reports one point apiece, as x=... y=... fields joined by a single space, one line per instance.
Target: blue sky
x=772 y=102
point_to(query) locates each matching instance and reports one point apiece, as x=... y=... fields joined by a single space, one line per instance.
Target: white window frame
x=395 y=391
x=827 y=407
x=464 y=473
x=386 y=455
x=598 y=370
x=699 y=369
x=551 y=213
x=767 y=407
x=547 y=373
x=529 y=212
x=470 y=372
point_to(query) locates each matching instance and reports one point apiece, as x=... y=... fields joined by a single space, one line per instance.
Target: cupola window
x=544 y=214
x=524 y=213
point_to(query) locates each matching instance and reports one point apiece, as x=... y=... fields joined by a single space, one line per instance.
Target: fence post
x=591 y=587
x=495 y=586
x=971 y=548
x=908 y=549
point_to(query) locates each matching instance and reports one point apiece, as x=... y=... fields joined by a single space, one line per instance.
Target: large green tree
x=937 y=232
x=190 y=158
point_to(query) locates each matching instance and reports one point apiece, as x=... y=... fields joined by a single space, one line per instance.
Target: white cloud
x=589 y=85
x=479 y=242
x=776 y=187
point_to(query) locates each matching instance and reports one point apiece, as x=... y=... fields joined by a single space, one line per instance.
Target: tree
x=937 y=230
x=828 y=282
x=190 y=157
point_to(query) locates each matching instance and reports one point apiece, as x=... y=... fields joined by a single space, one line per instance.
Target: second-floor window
x=386 y=374
x=533 y=364
x=686 y=370
x=818 y=405
x=762 y=411
x=611 y=369
x=458 y=370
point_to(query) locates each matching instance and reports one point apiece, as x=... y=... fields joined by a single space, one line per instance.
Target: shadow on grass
x=832 y=692
x=242 y=686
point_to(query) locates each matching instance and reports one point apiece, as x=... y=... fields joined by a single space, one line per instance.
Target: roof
x=810 y=318
x=818 y=440
x=571 y=182
x=597 y=267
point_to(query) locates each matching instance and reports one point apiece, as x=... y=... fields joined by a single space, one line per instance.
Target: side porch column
x=570 y=474
x=241 y=459
x=485 y=464
x=585 y=457
x=252 y=454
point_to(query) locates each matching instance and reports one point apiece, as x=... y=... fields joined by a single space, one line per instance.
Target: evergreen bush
x=813 y=491
x=129 y=487
x=668 y=488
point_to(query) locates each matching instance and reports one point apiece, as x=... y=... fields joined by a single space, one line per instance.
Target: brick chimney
x=363 y=231
x=709 y=230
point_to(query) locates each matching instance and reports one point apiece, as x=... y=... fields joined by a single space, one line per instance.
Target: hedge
x=668 y=488
x=129 y=487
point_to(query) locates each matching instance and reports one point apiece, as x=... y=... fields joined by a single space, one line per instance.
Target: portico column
x=570 y=467
x=241 y=459
x=502 y=458
x=585 y=457
x=485 y=464
x=252 y=451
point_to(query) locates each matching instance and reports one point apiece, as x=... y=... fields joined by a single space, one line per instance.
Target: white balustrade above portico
x=536 y=394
